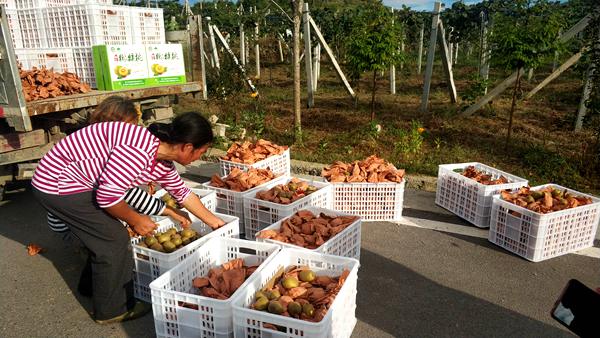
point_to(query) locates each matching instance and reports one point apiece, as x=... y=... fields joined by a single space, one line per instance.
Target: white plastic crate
x=279 y=164
x=340 y=319
x=13 y=25
x=537 y=237
x=8 y=4
x=88 y=25
x=84 y=65
x=150 y=264
x=345 y=244
x=468 y=198
x=59 y=59
x=371 y=201
x=33 y=28
x=259 y=214
x=212 y=317
x=207 y=197
x=232 y=202
x=28 y=4
x=147 y=25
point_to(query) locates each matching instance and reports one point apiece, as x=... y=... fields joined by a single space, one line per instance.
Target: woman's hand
x=215 y=223
x=193 y=204
x=179 y=216
x=143 y=225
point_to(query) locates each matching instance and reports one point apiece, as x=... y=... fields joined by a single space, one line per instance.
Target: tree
x=373 y=44
x=525 y=33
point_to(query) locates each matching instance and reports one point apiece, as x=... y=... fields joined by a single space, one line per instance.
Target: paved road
x=431 y=276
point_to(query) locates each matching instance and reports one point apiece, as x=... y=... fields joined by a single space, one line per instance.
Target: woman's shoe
x=139 y=310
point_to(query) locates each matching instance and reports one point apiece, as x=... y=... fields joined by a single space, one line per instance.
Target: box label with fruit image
x=165 y=64
x=122 y=67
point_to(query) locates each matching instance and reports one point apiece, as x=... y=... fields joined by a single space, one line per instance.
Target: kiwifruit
x=169 y=246
x=163 y=238
x=273 y=295
x=261 y=303
x=308 y=309
x=150 y=240
x=275 y=307
x=294 y=308
x=176 y=241
x=290 y=282
x=306 y=275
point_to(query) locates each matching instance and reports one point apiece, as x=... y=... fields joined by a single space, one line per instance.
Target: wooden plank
x=329 y=52
x=16 y=141
x=93 y=98
x=308 y=58
x=556 y=73
x=27 y=154
x=430 y=55
x=447 y=64
x=194 y=40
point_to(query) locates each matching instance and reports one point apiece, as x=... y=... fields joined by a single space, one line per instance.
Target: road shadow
x=403 y=303
x=23 y=220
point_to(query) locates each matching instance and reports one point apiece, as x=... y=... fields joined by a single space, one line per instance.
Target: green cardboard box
x=121 y=67
x=165 y=64
x=138 y=66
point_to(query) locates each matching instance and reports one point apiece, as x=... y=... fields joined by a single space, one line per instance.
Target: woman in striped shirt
x=114 y=109
x=83 y=179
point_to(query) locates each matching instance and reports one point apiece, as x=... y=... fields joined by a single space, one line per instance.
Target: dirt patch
x=543 y=148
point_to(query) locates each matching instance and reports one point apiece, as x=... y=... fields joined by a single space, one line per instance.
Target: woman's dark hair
x=114 y=108
x=185 y=128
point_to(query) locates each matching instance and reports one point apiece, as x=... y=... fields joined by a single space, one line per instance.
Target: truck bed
x=79 y=101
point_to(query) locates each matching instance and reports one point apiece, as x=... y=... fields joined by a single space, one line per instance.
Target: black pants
x=109 y=245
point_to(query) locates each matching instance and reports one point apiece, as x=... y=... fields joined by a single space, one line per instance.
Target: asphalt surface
x=433 y=275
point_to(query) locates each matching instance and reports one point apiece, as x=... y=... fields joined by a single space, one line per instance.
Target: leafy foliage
x=525 y=32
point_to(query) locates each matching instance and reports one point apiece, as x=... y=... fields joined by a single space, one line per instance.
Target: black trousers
x=108 y=243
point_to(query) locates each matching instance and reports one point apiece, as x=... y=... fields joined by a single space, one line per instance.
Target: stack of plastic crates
x=78 y=25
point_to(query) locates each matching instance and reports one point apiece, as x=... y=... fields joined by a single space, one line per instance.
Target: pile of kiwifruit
x=169 y=240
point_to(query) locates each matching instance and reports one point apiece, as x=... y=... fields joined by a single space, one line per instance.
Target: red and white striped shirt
x=110 y=157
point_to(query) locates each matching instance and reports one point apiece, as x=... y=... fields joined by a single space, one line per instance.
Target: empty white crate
x=468 y=198
x=59 y=59
x=371 y=201
x=27 y=4
x=147 y=25
x=14 y=28
x=33 y=29
x=149 y=264
x=88 y=25
x=232 y=202
x=346 y=243
x=279 y=164
x=537 y=236
x=179 y=313
x=259 y=214
x=340 y=319
x=8 y=4
x=84 y=65
x=207 y=197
